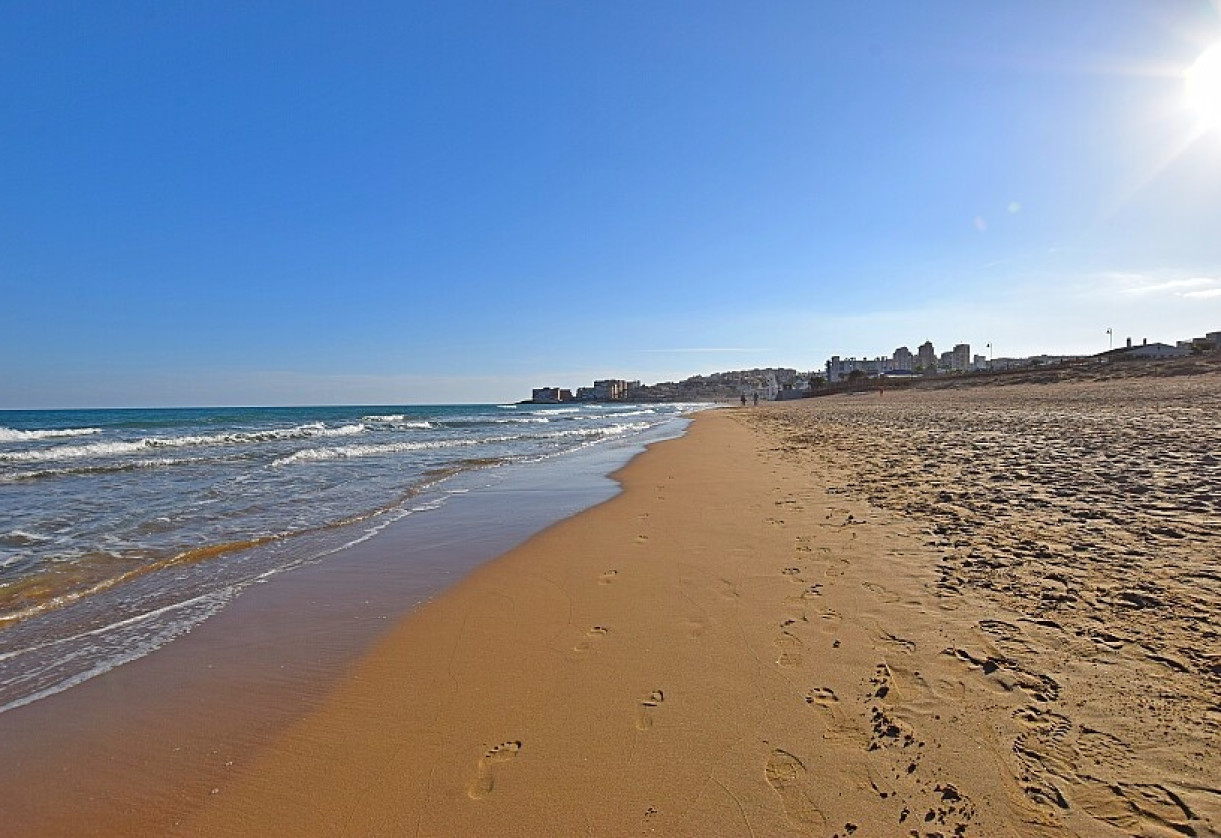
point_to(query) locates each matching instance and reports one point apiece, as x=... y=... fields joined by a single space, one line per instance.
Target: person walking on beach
x=743 y=400
x=756 y=398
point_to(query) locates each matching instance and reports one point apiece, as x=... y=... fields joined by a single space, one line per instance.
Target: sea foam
x=122 y=447
x=14 y=435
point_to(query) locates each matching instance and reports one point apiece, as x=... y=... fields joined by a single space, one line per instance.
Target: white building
x=838 y=369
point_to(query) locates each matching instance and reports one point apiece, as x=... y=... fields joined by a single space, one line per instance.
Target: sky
x=266 y=203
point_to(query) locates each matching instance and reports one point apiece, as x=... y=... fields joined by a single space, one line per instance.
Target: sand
x=985 y=612
x=988 y=612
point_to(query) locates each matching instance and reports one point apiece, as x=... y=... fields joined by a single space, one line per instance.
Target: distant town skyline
x=279 y=203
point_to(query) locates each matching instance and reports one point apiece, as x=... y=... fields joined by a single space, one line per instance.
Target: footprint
x=607 y=577
x=822 y=697
x=794 y=621
x=808 y=593
x=648 y=706
x=790 y=646
x=485 y=774
x=882 y=593
x=590 y=636
x=882 y=637
x=784 y=773
x=1138 y=808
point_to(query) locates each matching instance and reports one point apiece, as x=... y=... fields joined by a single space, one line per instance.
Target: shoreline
x=179 y=718
x=751 y=640
x=686 y=658
x=926 y=613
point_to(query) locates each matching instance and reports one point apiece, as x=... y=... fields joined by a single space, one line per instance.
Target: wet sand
x=988 y=612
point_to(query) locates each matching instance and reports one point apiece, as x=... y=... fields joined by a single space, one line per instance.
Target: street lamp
x=1110 y=339
x=989 y=357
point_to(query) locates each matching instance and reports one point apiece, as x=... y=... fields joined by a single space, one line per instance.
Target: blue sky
x=286 y=203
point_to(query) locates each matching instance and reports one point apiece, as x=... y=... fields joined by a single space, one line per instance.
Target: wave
x=22 y=538
x=340 y=452
x=398 y=420
x=121 y=447
x=511 y=420
x=14 y=435
x=110 y=468
x=608 y=430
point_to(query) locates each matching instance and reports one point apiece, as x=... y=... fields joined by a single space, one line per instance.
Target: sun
x=1204 y=86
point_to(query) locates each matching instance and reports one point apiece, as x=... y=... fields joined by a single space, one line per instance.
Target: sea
x=121 y=530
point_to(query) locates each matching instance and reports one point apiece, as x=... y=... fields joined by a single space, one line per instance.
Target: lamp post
x=1110 y=339
x=989 y=357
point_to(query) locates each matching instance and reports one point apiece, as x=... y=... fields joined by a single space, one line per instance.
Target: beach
x=983 y=611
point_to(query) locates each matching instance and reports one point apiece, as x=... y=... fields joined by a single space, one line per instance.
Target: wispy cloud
x=1197 y=286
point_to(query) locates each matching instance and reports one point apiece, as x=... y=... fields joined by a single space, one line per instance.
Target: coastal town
x=782 y=383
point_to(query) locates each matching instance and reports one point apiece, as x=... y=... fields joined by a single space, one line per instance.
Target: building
x=926 y=357
x=610 y=389
x=838 y=369
x=960 y=360
x=550 y=395
x=980 y=362
x=1209 y=342
x=1145 y=350
x=902 y=360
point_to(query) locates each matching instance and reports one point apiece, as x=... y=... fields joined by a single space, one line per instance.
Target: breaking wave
x=121 y=447
x=14 y=435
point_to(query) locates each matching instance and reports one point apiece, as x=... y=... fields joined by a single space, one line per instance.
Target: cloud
x=1198 y=286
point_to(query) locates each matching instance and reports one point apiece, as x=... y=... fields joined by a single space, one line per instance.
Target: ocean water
x=122 y=529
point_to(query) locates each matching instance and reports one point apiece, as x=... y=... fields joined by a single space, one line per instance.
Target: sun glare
x=1204 y=85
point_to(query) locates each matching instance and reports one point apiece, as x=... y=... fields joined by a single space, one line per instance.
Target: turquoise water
x=122 y=529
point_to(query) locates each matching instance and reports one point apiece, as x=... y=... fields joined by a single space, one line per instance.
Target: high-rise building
x=902 y=360
x=961 y=360
x=926 y=357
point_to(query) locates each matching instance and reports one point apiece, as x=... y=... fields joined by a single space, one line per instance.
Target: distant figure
x=743 y=400
x=756 y=398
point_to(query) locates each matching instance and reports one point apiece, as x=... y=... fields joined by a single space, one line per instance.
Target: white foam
x=339 y=452
x=23 y=538
x=14 y=435
x=120 y=448
x=206 y=605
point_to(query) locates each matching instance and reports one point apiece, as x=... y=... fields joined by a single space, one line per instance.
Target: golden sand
x=985 y=612
x=988 y=612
